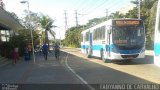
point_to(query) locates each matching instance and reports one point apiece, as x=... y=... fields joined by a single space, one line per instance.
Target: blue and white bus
x=115 y=39
x=157 y=37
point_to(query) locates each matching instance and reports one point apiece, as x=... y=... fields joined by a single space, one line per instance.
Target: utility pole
x=76 y=18
x=65 y=17
x=107 y=14
x=30 y=28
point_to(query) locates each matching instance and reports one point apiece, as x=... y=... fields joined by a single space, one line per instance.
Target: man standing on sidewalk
x=45 y=50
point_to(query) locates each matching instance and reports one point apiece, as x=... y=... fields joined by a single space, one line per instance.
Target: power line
x=109 y=7
x=113 y=8
x=80 y=3
x=116 y=6
x=85 y=4
x=100 y=5
x=103 y=2
x=91 y=3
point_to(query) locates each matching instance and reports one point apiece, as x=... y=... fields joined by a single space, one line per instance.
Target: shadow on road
x=147 y=60
x=89 y=70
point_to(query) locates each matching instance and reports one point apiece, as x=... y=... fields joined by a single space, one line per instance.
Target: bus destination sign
x=127 y=22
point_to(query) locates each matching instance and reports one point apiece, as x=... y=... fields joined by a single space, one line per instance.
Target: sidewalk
x=4 y=61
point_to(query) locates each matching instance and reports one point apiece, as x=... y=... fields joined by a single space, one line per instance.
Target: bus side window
x=139 y=32
x=87 y=36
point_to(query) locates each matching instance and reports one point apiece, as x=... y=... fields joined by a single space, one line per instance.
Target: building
x=8 y=25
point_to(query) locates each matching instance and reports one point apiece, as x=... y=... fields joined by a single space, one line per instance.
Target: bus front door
x=90 y=44
x=108 y=43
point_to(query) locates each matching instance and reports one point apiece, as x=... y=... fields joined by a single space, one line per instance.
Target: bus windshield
x=128 y=37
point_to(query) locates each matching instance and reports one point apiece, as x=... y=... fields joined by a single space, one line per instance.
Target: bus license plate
x=129 y=57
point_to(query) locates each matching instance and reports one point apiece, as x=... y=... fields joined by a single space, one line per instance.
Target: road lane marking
x=79 y=77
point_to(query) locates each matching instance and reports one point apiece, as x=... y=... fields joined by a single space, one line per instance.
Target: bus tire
x=104 y=60
x=88 y=54
x=108 y=61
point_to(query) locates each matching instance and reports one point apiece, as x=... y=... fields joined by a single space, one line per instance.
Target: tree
x=132 y=13
x=150 y=25
x=117 y=14
x=47 y=24
x=93 y=22
x=73 y=37
x=31 y=20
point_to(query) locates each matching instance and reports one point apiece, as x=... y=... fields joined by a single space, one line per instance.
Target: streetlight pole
x=139 y=9
x=30 y=29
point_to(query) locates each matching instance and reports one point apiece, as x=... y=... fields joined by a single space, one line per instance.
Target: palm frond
x=52 y=33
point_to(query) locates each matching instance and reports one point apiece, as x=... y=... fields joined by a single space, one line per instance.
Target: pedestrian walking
x=26 y=54
x=57 y=51
x=45 y=50
x=29 y=48
x=15 y=55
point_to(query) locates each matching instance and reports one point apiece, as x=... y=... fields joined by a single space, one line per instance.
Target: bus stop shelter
x=8 y=22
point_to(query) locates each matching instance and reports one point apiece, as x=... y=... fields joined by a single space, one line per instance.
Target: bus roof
x=84 y=31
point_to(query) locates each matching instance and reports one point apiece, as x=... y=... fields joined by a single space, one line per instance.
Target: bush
x=6 y=49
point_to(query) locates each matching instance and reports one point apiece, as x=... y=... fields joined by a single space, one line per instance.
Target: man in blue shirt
x=45 y=50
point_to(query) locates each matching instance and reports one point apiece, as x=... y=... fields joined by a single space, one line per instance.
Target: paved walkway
x=4 y=61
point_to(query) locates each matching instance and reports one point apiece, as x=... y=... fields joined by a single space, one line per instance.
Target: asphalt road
x=68 y=73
